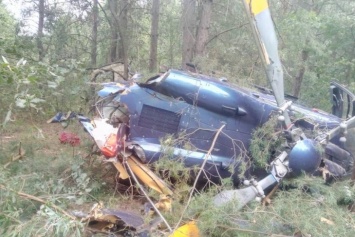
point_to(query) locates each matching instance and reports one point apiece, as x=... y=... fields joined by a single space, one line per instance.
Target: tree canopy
x=316 y=39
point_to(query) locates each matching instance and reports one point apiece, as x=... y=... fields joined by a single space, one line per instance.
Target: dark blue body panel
x=192 y=107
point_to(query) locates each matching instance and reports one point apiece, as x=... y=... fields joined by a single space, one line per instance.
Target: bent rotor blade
x=264 y=33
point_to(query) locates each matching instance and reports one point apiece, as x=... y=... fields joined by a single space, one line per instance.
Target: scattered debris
x=60 y=117
x=69 y=138
x=103 y=220
x=327 y=221
x=112 y=221
x=190 y=229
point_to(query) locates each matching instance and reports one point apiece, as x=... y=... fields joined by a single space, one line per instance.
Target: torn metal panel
x=148 y=177
x=122 y=171
x=128 y=223
x=110 y=216
x=114 y=221
x=111 y=142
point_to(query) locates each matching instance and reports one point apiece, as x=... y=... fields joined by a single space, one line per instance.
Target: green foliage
x=210 y=219
x=7 y=25
x=265 y=142
x=39 y=87
x=29 y=88
x=322 y=29
x=57 y=175
x=169 y=49
x=312 y=197
x=46 y=222
x=310 y=208
x=173 y=169
x=325 y=31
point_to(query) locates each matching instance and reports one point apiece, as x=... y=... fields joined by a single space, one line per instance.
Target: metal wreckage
x=217 y=119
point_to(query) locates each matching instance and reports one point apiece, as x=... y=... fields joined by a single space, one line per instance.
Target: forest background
x=49 y=48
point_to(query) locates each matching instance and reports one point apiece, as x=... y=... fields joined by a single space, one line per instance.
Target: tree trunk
x=297 y=82
x=188 y=19
x=114 y=28
x=203 y=27
x=154 y=36
x=123 y=32
x=40 y=30
x=95 y=13
x=119 y=25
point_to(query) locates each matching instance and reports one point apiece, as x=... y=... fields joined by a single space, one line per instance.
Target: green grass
x=56 y=173
x=64 y=178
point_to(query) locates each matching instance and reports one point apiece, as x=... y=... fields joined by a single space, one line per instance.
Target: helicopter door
x=344 y=107
x=343 y=101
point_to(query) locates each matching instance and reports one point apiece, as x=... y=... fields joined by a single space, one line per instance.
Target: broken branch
x=21 y=154
x=147 y=196
x=208 y=154
x=266 y=199
x=34 y=198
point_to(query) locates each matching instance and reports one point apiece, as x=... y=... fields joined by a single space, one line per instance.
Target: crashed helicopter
x=217 y=119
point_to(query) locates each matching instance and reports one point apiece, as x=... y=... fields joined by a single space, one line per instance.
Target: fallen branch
x=34 y=198
x=21 y=154
x=208 y=154
x=147 y=196
x=229 y=228
x=266 y=199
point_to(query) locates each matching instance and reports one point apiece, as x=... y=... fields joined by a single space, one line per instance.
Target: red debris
x=69 y=138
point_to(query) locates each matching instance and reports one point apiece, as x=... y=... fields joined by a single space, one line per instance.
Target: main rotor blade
x=264 y=33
